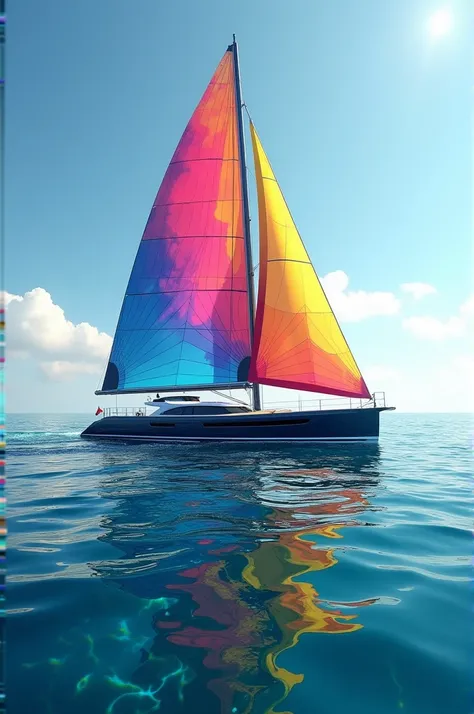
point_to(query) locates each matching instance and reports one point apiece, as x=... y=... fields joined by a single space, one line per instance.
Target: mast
x=246 y=212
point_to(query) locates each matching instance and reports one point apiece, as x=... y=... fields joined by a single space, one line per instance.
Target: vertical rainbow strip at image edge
x=3 y=530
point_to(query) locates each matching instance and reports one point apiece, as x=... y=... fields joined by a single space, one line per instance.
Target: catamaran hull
x=308 y=426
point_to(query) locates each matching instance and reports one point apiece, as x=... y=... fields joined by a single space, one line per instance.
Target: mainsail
x=298 y=342
x=185 y=316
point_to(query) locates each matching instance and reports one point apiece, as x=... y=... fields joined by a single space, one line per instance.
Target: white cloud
x=455 y=383
x=356 y=305
x=465 y=365
x=467 y=308
x=38 y=328
x=7 y=298
x=62 y=370
x=445 y=387
x=378 y=375
x=418 y=290
x=430 y=328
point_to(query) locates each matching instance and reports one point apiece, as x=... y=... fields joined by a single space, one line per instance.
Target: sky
x=365 y=111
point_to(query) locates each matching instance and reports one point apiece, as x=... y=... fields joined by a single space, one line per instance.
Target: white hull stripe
x=234 y=438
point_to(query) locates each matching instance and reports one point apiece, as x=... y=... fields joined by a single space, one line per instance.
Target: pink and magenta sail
x=185 y=317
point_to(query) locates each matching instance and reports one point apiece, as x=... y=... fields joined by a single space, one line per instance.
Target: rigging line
x=285 y=266
x=200 y=158
x=188 y=203
x=143 y=357
x=151 y=365
x=222 y=338
x=213 y=318
x=277 y=332
x=183 y=341
x=199 y=327
x=228 y=396
x=146 y=320
x=149 y=344
x=284 y=367
x=328 y=378
x=102 y=378
x=141 y=323
x=285 y=328
x=186 y=237
x=146 y=339
x=285 y=227
x=188 y=290
x=280 y=286
x=142 y=310
x=145 y=370
x=244 y=106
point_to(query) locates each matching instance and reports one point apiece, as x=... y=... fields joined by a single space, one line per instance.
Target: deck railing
x=124 y=411
x=377 y=400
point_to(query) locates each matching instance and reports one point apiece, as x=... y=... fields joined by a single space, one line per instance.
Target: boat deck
x=378 y=401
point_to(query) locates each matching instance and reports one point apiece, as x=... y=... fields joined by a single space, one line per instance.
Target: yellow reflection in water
x=298 y=543
x=279 y=565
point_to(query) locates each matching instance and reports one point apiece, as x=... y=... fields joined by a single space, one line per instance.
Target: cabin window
x=205 y=410
x=257 y=422
x=161 y=423
x=218 y=410
x=238 y=410
x=202 y=411
x=183 y=398
x=182 y=410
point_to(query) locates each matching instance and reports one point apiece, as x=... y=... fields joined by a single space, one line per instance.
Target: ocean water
x=210 y=579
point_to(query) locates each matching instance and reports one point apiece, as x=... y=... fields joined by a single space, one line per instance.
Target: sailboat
x=190 y=322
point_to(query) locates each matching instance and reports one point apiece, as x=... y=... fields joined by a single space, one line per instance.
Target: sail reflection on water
x=248 y=589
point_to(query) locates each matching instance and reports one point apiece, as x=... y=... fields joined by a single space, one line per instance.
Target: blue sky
x=365 y=116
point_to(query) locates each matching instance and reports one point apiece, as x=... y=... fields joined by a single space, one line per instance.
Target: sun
x=440 y=22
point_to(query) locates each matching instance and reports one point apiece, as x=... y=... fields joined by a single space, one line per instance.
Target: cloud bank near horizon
x=38 y=330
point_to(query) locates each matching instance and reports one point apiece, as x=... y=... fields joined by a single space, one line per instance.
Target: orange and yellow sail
x=298 y=342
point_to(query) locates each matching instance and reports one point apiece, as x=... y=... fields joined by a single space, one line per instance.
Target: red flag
x=99 y=411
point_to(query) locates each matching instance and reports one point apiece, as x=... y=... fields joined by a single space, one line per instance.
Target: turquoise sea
x=212 y=580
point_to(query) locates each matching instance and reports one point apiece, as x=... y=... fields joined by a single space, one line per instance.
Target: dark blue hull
x=307 y=426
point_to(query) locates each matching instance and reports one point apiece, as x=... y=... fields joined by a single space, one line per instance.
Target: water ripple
x=213 y=579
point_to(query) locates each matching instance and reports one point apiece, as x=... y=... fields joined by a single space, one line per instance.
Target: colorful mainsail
x=298 y=342
x=185 y=317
